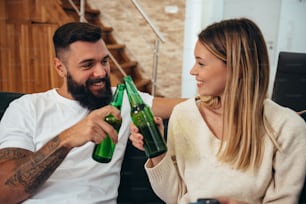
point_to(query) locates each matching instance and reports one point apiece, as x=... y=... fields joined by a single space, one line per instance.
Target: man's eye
x=105 y=61
x=88 y=65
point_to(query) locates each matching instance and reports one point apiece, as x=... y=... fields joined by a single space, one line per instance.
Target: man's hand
x=91 y=128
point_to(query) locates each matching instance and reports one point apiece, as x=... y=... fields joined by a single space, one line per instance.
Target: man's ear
x=60 y=67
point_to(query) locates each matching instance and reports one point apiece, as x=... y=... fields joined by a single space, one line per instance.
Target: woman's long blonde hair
x=240 y=44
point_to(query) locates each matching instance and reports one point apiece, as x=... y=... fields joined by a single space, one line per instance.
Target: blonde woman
x=232 y=142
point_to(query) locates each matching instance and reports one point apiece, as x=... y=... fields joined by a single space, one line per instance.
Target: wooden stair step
x=115 y=80
x=129 y=64
x=106 y=30
x=115 y=46
x=128 y=68
x=141 y=82
x=117 y=50
x=92 y=12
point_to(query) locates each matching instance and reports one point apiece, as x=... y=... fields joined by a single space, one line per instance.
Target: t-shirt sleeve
x=147 y=98
x=16 y=126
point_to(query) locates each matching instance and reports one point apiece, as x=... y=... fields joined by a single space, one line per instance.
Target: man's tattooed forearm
x=38 y=169
x=8 y=153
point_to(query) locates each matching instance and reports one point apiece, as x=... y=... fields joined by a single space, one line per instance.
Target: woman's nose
x=193 y=71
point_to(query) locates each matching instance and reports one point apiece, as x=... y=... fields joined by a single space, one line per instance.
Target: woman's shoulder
x=279 y=115
x=187 y=105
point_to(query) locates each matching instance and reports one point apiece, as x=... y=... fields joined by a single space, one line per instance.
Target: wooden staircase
x=27 y=27
x=130 y=67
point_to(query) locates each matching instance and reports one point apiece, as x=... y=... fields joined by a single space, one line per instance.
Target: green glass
x=103 y=152
x=142 y=117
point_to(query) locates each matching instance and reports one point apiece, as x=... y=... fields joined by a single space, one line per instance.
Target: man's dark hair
x=75 y=31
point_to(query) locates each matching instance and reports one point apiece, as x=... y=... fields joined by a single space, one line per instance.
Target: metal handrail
x=157 y=32
x=81 y=13
x=155 y=63
x=156 y=45
x=117 y=64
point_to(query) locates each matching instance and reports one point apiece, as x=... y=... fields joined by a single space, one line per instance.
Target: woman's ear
x=60 y=67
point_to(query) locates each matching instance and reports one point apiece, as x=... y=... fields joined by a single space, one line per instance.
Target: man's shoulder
x=32 y=100
x=36 y=96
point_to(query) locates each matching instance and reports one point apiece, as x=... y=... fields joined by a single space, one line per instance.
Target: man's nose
x=100 y=70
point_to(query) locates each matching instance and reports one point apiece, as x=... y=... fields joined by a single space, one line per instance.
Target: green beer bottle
x=103 y=152
x=142 y=117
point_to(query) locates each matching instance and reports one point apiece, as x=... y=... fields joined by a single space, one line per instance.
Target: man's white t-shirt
x=32 y=120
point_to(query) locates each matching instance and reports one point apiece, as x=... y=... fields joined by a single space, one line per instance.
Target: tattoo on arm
x=33 y=171
x=7 y=154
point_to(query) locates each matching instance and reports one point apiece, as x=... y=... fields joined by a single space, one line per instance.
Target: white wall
x=199 y=14
x=266 y=14
x=281 y=21
x=292 y=27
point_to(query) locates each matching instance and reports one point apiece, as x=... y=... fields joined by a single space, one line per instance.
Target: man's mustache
x=97 y=80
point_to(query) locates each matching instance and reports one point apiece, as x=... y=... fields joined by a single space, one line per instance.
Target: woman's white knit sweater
x=190 y=169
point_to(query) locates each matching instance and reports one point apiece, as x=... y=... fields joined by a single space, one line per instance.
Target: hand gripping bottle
x=103 y=152
x=142 y=117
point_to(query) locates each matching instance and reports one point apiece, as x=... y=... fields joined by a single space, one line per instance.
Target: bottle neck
x=118 y=96
x=132 y=92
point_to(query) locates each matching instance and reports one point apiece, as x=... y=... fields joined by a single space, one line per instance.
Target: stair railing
x=81 y=13
x=156 y=45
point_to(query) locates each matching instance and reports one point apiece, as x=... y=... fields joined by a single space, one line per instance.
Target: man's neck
x=63 y=91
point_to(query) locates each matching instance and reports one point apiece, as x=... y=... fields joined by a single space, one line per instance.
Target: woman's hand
x=230 y=201
x=137 y=138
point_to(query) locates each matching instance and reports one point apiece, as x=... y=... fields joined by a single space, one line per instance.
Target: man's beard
x=85 y=97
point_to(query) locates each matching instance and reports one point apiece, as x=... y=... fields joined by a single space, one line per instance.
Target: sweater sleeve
x=289 y=164
x=164 y=177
